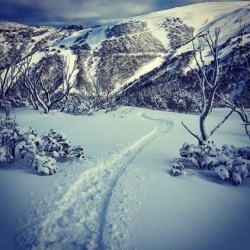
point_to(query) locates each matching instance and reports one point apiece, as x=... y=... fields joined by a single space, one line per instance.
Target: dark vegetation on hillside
x=101 y=72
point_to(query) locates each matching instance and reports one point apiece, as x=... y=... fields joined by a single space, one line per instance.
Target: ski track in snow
x=91 y=207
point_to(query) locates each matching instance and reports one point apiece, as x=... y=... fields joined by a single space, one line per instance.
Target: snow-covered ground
x=123 y=196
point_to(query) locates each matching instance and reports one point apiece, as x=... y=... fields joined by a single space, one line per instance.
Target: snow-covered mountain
x=136 y=57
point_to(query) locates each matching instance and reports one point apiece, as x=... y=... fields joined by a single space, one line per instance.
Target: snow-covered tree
x=237 y=104
x=209 y=80
x=18 y=143
x=9 y=71
x=241 y=111
x=48 y=82
x=77 y=104
x=228 y=162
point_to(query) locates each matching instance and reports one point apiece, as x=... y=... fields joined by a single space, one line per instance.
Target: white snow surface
x=196 y=15
x=123 y=195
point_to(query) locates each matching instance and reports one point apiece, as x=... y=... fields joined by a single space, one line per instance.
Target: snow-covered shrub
x=199 y=156
x=228 y=149
x=244 y=152
x=76 y=104
x=229 y=162
x=82 y=109
x=40 y=152
x=45 y=165
x=14 y=101
x=10 y=136
x=177 y=168
x=54 y=144
x=187 y=150
x=76 y=152
x=240 y=170
x=2 y=154
x=222 y=172
x=27 y=150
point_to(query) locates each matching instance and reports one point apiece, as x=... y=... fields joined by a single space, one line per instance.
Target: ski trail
x=80 y=211
x=75 y=221
x=127 y=196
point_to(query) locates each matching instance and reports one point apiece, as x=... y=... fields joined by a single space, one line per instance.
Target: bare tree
x=240 y=110
x=96 y=93
x=48 y=82
x=238 y=105
x=208 y=82
x=107 y=89
x=9 y=72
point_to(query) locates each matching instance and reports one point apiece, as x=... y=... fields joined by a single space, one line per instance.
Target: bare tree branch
x=221 y=123
x=196 y=136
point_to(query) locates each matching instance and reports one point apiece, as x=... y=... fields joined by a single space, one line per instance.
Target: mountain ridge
x=116 y=56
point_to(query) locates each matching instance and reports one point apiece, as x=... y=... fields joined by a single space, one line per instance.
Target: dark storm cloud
x=19 y=13
x=49 y=11
x=55 y=12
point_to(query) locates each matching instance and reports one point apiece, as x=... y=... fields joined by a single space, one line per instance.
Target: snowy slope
x=123 y=196
x=197 y=15
x=177 y=69
x=231 y=26
x=120 y=52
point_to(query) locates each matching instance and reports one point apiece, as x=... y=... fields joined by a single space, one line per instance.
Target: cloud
x=29 y=11
x=103 y=9
x=80 y=11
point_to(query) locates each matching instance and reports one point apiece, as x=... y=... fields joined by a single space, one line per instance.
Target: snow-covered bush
x=240 y=170
x=82 y=109
x=76 y=152
x=54 y=144
x=3 y=153
x=15 y=101
x=10 y=136
x=76 y=105
x=45 y=165
x=177 y=168
x=17 y=143
x=229 y=162
x=244 y=152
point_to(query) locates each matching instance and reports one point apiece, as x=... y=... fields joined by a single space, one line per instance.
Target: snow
x=49 y=32
x=230 y=17
x=158 y=32
x=231 y=25
x=157 y=62
x=37 y=57
x=196 y=15
x=96 y=36
x=70 y=64
x=123 y=195
x=70 y=40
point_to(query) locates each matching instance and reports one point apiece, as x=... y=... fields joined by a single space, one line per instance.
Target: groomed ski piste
x=123 y=195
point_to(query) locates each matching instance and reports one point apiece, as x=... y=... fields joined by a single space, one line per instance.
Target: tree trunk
x=203 y=129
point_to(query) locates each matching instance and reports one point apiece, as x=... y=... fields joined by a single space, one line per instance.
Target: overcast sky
x=88 y=12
